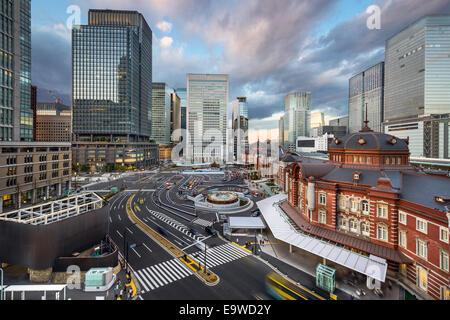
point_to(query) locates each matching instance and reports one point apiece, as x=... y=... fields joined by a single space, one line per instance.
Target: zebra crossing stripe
x=163 y=275
x=157 y=277
x=150 y=279
x=141 y=281
x=181 y=268
x=143 y=274
x=170 y=274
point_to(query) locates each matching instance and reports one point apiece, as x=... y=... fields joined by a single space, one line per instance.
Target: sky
x=269 y=48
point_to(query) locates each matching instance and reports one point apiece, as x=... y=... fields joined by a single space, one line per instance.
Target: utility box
x=98 y=277
x=325 y=278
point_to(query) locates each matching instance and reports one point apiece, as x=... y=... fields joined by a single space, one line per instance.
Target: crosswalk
x=201 y=222
x=220 y=255
x=176 y=224
x=162 y=274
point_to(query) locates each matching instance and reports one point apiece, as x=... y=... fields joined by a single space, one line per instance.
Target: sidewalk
x=302 y=264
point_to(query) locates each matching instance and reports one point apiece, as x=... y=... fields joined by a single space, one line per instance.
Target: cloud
x=166 y=42
x=164 y=26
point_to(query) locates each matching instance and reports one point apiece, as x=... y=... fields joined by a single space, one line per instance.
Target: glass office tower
x=112 y=77
x=240 y=130
x=161 y=106
x=207 y=115
x=297 y=118
x=367 y=89
x=182 y=94
x=418 y=70
x=16 y=114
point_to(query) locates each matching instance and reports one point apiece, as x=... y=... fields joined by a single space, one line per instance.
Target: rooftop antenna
x=366 y=122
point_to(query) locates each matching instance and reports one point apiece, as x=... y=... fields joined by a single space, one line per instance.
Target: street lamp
x=1 y=289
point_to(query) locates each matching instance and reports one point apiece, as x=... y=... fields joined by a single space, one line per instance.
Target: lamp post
x=1 y=290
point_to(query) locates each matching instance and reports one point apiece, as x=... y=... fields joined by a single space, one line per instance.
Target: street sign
x=133 y=246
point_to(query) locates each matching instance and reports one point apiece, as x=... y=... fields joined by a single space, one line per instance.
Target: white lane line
x=136 y=253
x=119 y=217
x=146 y=247
x=110 y=220
x=140 y=297
x=119 y=233
x=129 y=231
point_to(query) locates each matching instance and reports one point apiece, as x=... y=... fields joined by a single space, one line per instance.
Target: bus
x=281 y=289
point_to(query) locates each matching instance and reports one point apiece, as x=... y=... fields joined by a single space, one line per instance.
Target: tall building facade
x=366 y=92
x=417 y=70
x=175 y=117
x=207 y=116
x=53 y=123
x=112 y=77
x=112 y=89
x=16 y=114
x=182 y=94
x=339 y=122
x=297 y=118
x=281 y=131
x=317 y=119
x=240 y=130
x=417 y=88
x=161 y=105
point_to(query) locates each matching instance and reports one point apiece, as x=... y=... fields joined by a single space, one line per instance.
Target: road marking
x=136 y=253
x=119 y=233
x=129 y=231
x=119 y=217
x=147 y=247
x=220 y=255
x=155 y=276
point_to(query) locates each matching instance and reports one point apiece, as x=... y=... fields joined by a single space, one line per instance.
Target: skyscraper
x=182 y=94
x=161 y=105
x=417 y=86
x=207 y=116
x=418 y=70
x=317 y=119
x=281 y=131
x=297 y=117
x=16 y=114
x=240 y=130
x=112 y=87
x=367 y=90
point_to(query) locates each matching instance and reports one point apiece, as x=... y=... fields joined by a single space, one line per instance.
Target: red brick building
x=369 y=199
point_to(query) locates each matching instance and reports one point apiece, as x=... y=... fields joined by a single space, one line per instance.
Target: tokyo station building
x=368 y=199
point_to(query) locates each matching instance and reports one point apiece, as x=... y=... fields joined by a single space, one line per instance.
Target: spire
x=366 y=122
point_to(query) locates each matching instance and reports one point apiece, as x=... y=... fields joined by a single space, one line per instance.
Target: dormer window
x=337 y=141
x=356 y=177
x=393 y=141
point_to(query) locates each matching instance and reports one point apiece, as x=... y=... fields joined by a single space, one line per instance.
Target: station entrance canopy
x=246 y=223
x=284 y=230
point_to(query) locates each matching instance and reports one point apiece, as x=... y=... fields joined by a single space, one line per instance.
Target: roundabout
x=222 y=201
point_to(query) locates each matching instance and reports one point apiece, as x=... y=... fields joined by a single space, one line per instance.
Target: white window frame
x=419 y=279
x=342 y=224
x=446 y=231
x=402 y=238
x=363 y=231
x=322 y=196
x=443 y=259
x=425 y=225
x=363 y=204
x=322 y=217
x=402 y=217
x=422 y=248
x=380 y=236
x=382 y=213
x=342 y=203
x=353 y=201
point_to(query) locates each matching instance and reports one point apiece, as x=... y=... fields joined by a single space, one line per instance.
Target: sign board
x=133 y=246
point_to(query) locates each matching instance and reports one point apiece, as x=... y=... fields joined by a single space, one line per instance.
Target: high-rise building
x=53 y=122
x=366 y=92
x=240 y=130
x=175 y=117
x=161 y=106
x=339 y=122
x=297 y=118
x=16 y=114
x=417 y=71
x=281 y=131
x=317 y=119
x=33 y=171
x=207 y=116
x=182 y=94
x=112 y=90
x=417 y=86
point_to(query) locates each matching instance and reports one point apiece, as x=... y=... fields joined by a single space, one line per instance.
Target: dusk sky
x=268 y=47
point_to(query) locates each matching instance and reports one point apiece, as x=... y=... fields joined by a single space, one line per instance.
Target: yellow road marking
x=243 y=248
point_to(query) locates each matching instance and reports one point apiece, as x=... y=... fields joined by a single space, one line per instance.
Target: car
x=210 y=230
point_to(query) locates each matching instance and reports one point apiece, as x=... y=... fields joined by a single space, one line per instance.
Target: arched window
x=353 y=225
x=343 y=222
x=365 y=208
x=382 y=232
x=354 y=205
x=365 y=229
